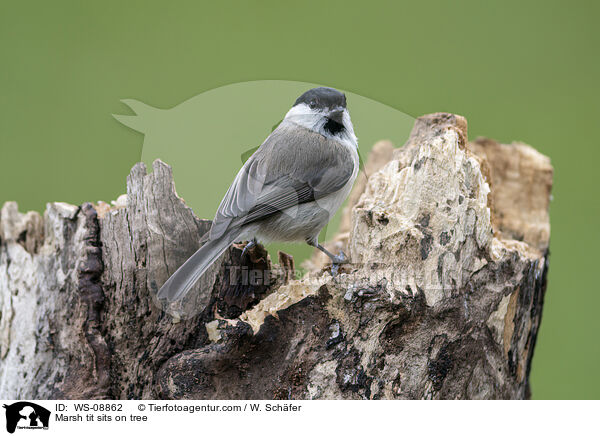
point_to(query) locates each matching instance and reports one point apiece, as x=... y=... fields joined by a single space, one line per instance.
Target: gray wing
x=293 y=166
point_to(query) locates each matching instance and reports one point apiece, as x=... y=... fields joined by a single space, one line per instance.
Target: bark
x=448 y=242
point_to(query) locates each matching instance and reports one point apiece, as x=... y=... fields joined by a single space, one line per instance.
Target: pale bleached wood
x=442 y=299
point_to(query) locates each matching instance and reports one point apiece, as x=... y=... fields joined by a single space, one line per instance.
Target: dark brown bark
x=448 y=242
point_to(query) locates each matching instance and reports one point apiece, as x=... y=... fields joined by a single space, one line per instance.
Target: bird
x=287 y=190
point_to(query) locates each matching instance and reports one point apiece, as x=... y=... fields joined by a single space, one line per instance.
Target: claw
x=334 y=269
x=340 y=258
x=336 y=261
x=248 y=246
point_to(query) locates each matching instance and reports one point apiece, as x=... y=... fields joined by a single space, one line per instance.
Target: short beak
x=336 y=115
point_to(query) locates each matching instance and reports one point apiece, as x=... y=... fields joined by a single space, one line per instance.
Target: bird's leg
x=249 y=245
x=336 y=260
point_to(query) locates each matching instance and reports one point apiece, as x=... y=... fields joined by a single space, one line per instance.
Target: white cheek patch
x=349 y=129
x=311 y=119
x=304 y=116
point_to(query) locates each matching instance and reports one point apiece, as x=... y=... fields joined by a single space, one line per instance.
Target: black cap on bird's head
x=322 y=98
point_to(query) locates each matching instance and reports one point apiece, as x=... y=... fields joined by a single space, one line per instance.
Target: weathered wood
x=448 y=242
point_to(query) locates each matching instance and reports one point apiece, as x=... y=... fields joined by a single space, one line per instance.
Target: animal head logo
x=26 y=415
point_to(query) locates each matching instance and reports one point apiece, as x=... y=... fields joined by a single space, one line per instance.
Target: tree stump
x=448 y=243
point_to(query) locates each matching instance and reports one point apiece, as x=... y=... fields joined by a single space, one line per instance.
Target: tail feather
x=180 y=283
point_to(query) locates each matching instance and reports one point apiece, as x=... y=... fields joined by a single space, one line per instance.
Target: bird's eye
x=312 y=104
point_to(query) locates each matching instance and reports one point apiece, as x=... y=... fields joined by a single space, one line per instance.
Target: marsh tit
x=287 y=190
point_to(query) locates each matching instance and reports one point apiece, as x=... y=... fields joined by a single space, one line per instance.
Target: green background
x=206 y=139
x=517 y=70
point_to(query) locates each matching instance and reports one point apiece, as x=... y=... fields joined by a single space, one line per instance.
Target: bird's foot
x=340 y=258
x=336 y=261
x=248 y=246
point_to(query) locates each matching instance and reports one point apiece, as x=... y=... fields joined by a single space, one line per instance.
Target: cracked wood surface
x=448 y=242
